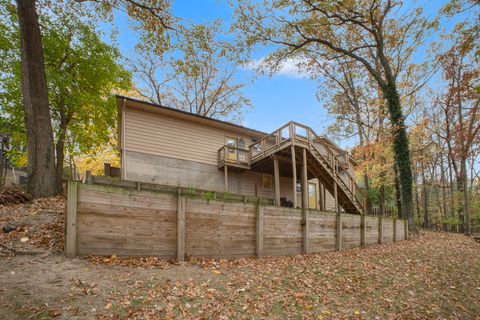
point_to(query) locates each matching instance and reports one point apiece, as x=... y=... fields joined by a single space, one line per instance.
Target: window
x=267 y=182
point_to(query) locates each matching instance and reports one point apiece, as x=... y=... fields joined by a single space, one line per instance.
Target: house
x=168 y=146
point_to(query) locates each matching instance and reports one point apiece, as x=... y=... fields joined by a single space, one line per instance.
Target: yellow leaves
x=108 y=306
x=216 y=272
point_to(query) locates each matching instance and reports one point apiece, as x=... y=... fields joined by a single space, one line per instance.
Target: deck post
x=259 y=233
x=277 y=180
x=305 y=211
x=363 y=231
x=225 y=171
x=71 y=223
x=304 y=179
x=338 y=242
x=294 y=174
x=335 y=191
x=181 y=204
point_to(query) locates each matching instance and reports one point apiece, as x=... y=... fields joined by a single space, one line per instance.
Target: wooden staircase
x=324 y=171
x=322 y=162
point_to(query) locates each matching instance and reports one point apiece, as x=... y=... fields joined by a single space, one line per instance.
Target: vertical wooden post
x=277 y=181
x=380 y=230
x=335 y=191
x=338 y=243
x=363 y=231
x=88 y=177
x=321 y=193
x=405 y=222
x=394 y=229
x=225 y=171
x=294 y=174
x=304 y=179
x=181 y=204
x=305 y=211
x=71 y=224
x=259 y=234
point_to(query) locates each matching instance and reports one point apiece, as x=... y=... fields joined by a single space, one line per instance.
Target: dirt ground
x=431 y=276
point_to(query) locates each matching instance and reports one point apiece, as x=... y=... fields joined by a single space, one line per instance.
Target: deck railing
x=233 y=155
x=296 y=133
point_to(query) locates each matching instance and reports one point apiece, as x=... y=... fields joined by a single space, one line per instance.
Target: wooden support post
x=306 y=230
x=71 y=223
x=405 y=222
x=88 y=177
x=259 y=234
x=335 y=190
x=277 y=180
x=181 y=204
x=225 y=171
x=338 y=242
x=294 y=174
x=305 y=210
x=304 y=179
x=394 y=229
x=363 y=231
x=380 y=230
x=321 y=193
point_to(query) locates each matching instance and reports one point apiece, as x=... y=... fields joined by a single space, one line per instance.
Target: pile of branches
x=14 y=195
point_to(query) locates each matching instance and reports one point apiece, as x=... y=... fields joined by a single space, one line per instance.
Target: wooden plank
x=294 y=176
x=394 y=230
x=363 y=231
x=259 y=233
x=406 y=228
x=380 y=230
x=181 y=228
x=226 y=177
x=71 y=223
x=338 y=244
x=306 y=230
x=277 y=181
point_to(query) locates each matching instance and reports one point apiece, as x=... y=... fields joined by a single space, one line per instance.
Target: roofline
x=194 y=115
x=236 y=126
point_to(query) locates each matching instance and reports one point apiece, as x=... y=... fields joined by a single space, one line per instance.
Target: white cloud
x=288 y=68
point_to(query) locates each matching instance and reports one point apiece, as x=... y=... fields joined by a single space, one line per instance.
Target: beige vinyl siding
x=165 y=136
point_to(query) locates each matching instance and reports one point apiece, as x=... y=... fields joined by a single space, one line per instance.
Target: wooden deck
x=291 y=147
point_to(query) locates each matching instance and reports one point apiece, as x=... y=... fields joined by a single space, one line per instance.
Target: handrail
x=232 y=147
x=337 y=179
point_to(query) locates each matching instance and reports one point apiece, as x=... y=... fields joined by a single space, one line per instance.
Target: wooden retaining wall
x=125 y=220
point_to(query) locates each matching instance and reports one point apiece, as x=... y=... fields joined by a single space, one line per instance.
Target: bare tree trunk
x=466 y=208
x=41 y=155
x=443 y=186
x=425 y=199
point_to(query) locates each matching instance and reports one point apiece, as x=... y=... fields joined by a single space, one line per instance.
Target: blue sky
x=276 y=100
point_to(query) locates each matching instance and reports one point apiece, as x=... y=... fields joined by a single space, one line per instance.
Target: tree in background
x=197 y=75
x=154 y=18
x=375 y=34
x=82 y=72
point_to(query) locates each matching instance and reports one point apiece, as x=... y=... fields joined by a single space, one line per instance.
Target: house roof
x=190 y=116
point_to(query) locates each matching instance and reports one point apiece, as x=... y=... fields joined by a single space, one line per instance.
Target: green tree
x=82 y=72
x=155 y=19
